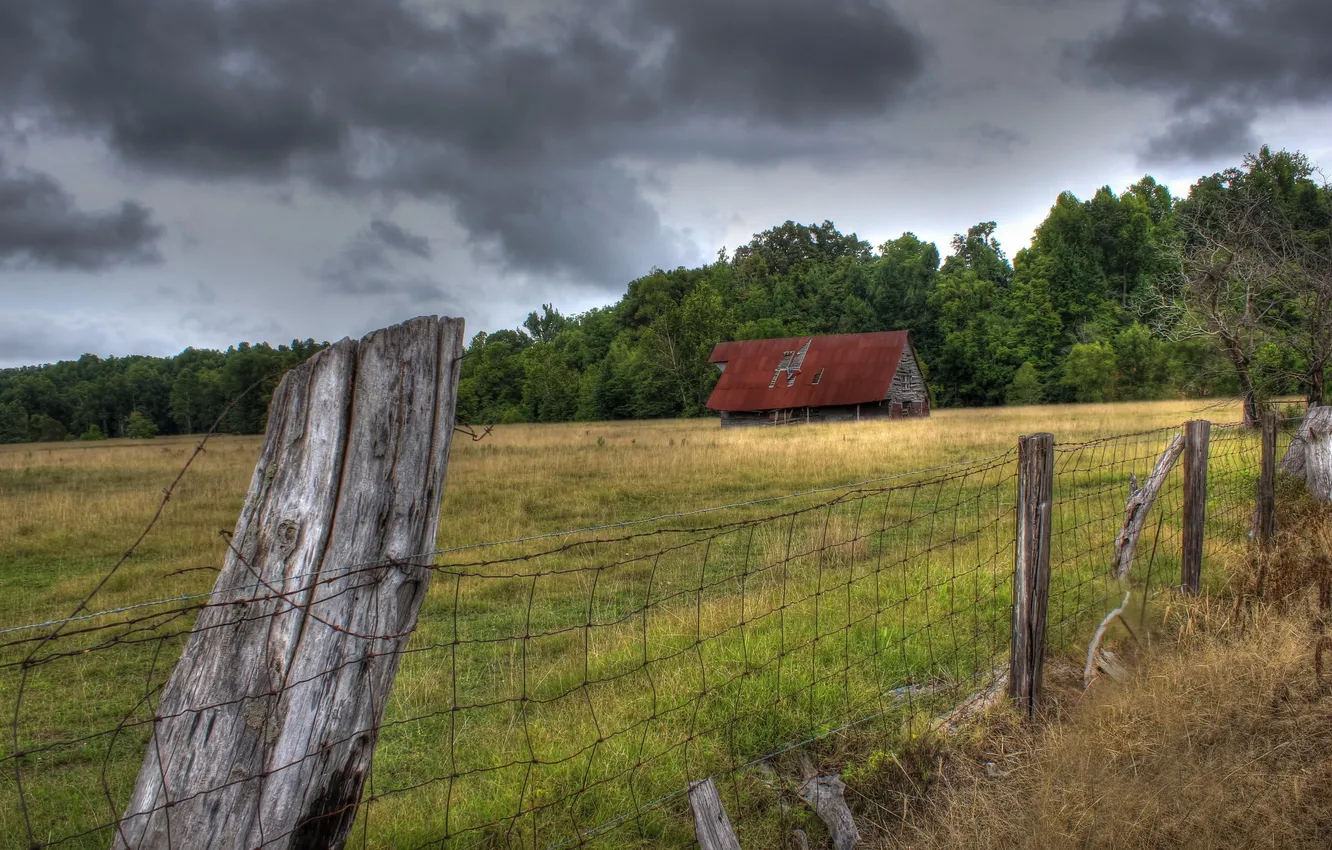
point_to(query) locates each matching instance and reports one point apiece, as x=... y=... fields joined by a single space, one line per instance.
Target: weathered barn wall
x=908 y=385
x=811 y=415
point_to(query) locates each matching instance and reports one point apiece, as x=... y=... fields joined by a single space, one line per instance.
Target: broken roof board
x=857 y=369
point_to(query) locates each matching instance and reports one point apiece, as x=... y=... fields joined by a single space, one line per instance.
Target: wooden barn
x=839 y=378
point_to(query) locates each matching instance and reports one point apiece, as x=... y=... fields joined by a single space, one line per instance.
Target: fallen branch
x=1096 y=640
x=1140 y=504
x=825 y=795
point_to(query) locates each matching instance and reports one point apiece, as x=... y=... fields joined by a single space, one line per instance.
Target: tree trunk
x=1316 y=382
x=1241 y=365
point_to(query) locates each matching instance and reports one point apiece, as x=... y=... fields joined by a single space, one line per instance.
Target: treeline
x=1093 y=310
x=95 y=397
x=1124 y=296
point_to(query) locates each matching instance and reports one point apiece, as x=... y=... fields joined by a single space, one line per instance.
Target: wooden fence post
x=1031 y=577
x=267 y=724
x=1197 y=435
x=712 y=828
x=1266 y=501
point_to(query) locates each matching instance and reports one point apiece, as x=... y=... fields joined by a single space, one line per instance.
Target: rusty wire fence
x=565 y=690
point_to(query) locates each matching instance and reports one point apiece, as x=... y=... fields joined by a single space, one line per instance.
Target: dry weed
x=1228 y=744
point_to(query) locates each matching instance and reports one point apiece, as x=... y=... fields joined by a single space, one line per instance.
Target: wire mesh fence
x=566 y=689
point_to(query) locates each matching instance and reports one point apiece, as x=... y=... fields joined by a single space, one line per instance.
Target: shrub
x=93 y=433
x=45 y=429
x=1026 y=387
x=140 y=427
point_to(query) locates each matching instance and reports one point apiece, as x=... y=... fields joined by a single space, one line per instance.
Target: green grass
x=570 y=685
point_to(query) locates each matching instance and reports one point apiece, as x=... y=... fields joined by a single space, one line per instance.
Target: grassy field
x=574 y=679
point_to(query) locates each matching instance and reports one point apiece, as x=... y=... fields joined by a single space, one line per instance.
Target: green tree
x=1089 y=371
x=93 y=433
x=45 y=429
x=139 y=427
x=1026 y=387
x=13 y=423
x=550 y=387
x=1141 y=367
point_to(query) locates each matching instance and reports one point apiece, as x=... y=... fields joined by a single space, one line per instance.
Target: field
x=572 y=679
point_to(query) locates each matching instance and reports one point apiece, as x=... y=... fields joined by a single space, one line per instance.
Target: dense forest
x=95 y=397
x=1135 y=295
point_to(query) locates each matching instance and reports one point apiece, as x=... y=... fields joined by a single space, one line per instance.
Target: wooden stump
x=267 y=725
x=1310 y=453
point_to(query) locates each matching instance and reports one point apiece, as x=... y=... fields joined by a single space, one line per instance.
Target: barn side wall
x=812 y=415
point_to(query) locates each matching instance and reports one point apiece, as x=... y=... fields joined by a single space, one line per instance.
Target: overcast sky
x=200 y=172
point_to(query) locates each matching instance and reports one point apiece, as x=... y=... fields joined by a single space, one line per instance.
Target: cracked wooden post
x=1031 y=577
x=266 y=728
x=1197 y=434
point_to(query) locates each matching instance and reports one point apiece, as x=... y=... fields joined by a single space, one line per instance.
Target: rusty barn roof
x=852 y=369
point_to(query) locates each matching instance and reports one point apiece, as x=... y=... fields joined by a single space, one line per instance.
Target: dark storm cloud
x=510 y=122
x=369 y=264
x=1216 y=132
x=1220 y=61
x=399 y=238
x=786 y=61
x=42 y=227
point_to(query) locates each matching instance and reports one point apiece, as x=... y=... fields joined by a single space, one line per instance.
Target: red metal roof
x=857 y=369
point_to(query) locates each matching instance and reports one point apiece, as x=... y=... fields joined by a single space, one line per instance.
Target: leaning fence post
x=1197 y=434
x=1031 y=577
x=1266 y=502
x=265 y=730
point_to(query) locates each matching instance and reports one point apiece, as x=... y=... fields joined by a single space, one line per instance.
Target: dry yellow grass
x=1223 y=742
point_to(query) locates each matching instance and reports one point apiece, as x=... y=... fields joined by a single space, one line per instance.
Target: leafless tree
x=1232 y=277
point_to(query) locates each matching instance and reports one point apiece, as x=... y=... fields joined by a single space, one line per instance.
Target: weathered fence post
x=266 y=727
x=1031 y=577
x=1265 y=507
x=1197 y=436
x=712 y=828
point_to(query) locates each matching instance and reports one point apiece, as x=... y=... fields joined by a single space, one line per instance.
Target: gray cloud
x=788 y=62
x=369 y=264
x=42 y=227
x=1222 y=130
x=399 y=238
x=39 y=336
x=1220 y=61
x=511 y=122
